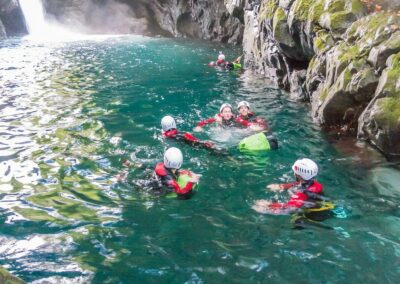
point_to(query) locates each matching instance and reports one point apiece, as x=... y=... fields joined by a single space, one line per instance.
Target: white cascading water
x=41 y=29
x=34 y=16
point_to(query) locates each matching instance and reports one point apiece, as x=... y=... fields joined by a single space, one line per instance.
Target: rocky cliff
x=340 y=55
x=11 y=19
x=179 y=18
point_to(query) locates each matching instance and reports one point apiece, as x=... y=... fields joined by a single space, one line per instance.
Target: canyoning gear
x=221 y=56
x=184 y=178
x=258 y=142
x=187 y=138
x=305 y=194
x=169 y=180
x=243 y=103
x=167 y=123
x=305 y=168
x=237 y=65
x=173 y=158
x=224 y=106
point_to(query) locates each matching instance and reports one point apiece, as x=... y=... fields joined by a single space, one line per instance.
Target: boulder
x=380 y=122
x=380 y=53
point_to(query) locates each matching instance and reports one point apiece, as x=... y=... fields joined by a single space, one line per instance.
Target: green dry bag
x=256 y=142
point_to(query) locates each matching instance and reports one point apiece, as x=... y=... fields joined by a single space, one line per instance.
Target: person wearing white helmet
x=222 y=62
x=247 y=118
x=168 y=173
x=305 y=191
x=169 y=130
x=224 y=118
x=221 y=59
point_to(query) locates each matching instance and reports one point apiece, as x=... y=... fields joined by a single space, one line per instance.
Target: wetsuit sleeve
x=288 y=185
x=190 y=139
x=296 y=201
x=171 y=183
x=207 y=121
x=242 y=121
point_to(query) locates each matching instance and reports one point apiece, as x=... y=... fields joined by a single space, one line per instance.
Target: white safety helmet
x=243 y=103
x=221 y=56
x=173 y=158
x=305 y=168
x=167 y=123
x=224 y=106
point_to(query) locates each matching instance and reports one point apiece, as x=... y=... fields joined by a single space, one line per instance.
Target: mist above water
x=96 y=17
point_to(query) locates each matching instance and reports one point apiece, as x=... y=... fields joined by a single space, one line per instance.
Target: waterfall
x=34 y=16
x=39 y=28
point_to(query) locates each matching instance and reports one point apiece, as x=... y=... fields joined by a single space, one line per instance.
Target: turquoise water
x=71 y=113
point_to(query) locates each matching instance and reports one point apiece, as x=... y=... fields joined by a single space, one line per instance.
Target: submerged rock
x=387 y=181
x=7 y=278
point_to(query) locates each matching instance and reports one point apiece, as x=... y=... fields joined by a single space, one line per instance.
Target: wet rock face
x=2 y=30
x=12 y=22
x=380 y=122
x=180 y=18
x=337 y=56
x=360 y=86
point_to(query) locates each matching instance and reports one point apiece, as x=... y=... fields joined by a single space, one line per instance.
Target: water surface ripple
x=71 y=113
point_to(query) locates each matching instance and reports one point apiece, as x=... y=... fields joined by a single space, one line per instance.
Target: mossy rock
x=267 y=10
x=339 y=58
x=7 y=278
x=300 y=10
x=280 y=29
x=371 y=30
x=380 y=122
x=323 y=42
x=389 y=112
x=389 y=82
x=379 y=54
x=285 y=4
x=337 y=22
x=363 y=84
x=338 y=15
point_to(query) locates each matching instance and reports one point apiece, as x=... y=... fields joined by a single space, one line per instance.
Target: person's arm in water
x=281 y=186
x=192 y=140
x=200 y=125
x=266 y=206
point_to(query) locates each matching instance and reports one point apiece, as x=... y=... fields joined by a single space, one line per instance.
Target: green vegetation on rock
x=300 y=9
x=267 y=9
x=389 y=111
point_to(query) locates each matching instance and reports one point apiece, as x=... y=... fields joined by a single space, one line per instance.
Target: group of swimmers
x=168 y=177
x=168 y=173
